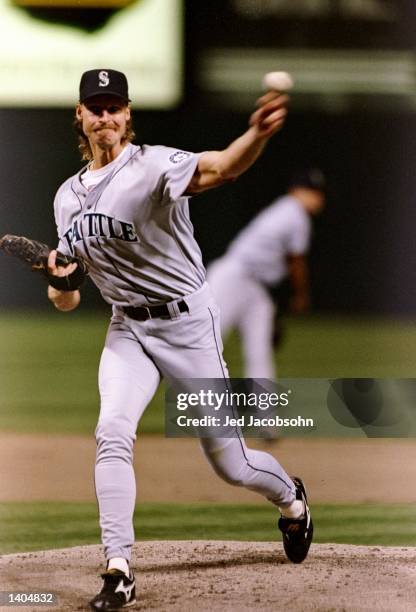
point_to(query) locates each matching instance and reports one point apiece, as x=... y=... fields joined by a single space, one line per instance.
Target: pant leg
x=191 y=347
x=256 y=329
x=246 y=305
x=128 y=379
x=224 y=279
x=255 y=470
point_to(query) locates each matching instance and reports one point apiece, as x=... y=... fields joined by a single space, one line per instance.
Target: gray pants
x=246 y=305
x=135 y=356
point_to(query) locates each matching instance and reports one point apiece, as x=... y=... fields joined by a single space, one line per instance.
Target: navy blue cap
x=103 y=81
x=312 y=178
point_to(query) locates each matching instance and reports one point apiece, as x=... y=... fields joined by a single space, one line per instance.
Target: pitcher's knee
x=115 y=440
x=235 y=475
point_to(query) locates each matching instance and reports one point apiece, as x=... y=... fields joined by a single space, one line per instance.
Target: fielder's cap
x=103 y=81
x=312 y=178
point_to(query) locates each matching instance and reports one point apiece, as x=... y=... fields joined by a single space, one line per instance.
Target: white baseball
x=277 y=81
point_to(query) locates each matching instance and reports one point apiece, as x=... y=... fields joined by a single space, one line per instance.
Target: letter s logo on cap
x=103 y=78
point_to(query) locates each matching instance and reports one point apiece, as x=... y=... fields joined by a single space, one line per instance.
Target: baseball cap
x=103 y=81
x=312 y=178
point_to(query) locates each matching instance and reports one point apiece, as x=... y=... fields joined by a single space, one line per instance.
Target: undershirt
x=91 y=178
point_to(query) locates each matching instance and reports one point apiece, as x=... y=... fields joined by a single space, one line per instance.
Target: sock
x=294 y=511
x=120 y=564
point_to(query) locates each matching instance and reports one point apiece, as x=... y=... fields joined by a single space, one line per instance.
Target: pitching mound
x=218 y=576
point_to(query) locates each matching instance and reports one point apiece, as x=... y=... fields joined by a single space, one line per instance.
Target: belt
x=142 y=313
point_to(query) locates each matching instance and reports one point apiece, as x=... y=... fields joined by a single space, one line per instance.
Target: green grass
x=48 y=374
x=41 y=526
x=49 y=362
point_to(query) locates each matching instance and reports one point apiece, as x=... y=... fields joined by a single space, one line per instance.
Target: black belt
x=142 y=313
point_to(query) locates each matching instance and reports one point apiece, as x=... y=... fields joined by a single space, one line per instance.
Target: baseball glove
x=36 y=255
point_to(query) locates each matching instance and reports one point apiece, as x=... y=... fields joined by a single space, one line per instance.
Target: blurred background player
x=273 y=247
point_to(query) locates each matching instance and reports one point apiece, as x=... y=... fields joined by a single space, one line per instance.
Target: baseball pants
x=135 y=357
x=245 y=304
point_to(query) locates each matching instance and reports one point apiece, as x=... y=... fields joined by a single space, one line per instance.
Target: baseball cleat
x=118 y=592
x=297 y=533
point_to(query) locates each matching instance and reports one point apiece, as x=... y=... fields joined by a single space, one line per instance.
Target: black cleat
x=118 y=592
x=297 y=533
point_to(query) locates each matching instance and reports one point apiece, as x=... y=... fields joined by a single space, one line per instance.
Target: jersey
x=262 y=248
x=133 y=228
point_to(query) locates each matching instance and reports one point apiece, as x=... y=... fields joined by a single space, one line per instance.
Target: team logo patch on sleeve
x=179 y=156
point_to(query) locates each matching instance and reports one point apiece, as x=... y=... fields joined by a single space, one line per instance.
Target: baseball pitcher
x=125 y=216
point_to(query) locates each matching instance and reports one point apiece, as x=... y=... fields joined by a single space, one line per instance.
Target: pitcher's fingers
x=52 y=261
x=260 y=116
x=273 y=96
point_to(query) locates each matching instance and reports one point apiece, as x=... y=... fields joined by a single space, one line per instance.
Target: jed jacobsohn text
x=226 y=399
x=243 y=421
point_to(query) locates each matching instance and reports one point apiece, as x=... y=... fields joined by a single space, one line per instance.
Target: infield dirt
x=228 y=576
x=45 y=467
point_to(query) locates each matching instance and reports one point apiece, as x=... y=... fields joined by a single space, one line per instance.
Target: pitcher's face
x=104 y=120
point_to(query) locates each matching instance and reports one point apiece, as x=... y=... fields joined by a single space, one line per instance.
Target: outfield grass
x=49 y=362
x=41 y=526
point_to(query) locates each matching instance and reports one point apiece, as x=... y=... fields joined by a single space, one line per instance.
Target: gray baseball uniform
x=257 y=257
x=134 y=231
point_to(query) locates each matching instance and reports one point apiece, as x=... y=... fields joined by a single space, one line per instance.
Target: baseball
x=277 y=81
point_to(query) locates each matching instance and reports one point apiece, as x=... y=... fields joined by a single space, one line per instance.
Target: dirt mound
x=227 y=576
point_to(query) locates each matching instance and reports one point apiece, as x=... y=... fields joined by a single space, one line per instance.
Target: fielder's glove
x=36 y=255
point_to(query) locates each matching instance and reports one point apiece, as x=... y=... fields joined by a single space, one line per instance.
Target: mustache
x=103 y=126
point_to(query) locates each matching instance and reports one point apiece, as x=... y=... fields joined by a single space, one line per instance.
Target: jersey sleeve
x=299 y=236
x=179 y=167
x=63 y=246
